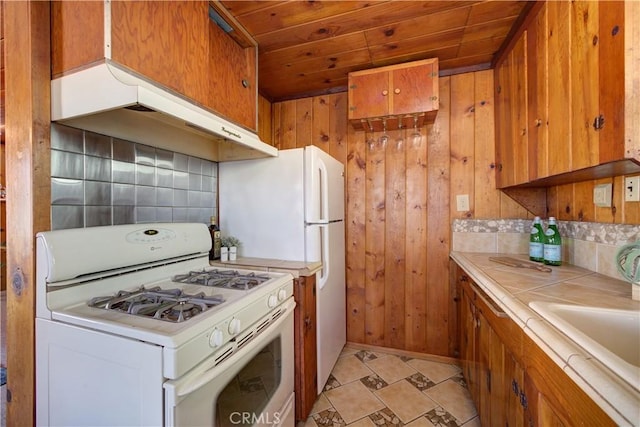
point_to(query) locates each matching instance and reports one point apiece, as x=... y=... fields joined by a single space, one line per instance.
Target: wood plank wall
x=3 y=182
x=400 y=202
x=399 y=206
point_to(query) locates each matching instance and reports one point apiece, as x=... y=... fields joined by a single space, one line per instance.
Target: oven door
x=251 y=386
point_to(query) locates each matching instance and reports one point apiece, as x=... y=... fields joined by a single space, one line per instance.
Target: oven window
x=242 y=401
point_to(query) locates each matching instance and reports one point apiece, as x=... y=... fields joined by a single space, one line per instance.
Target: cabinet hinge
x=352 y=108
x=353 y=86
x=489 y=381
x=434 y=98
x=598 y=122
x=433 y=74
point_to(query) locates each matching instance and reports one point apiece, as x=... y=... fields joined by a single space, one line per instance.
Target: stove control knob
x=282 y=294
x=272 y=301
x=216 y=338
x=234 y=326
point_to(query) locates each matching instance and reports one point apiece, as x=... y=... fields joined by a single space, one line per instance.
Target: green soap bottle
x=552 y=244
x=536 y=241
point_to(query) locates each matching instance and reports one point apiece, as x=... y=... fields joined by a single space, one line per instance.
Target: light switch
x=462 y=202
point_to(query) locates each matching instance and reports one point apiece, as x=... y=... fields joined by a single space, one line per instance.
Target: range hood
x=112 y=101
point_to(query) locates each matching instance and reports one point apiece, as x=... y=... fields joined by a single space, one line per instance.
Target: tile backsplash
x=590 y=245
x=99 y=180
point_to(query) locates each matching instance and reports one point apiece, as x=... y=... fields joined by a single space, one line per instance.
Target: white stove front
x=90 y=358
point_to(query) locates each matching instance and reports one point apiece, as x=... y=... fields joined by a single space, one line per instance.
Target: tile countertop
x=513 y=288
x=296 y=268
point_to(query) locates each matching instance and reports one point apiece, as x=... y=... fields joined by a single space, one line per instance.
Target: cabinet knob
x=245 y=83
x=385 y=92
x=538 y=122
x=396 y=91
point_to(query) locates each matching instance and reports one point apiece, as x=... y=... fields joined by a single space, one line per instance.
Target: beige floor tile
x=454 y=398
x=353 y=401
x=350 y=368
x=406 y=401
x=347 y=350
x=364 y=422
x=310 y=423
x=436 y=372
x=474 y=422
x=390 y=368
x=420 y=422
x=321 y=404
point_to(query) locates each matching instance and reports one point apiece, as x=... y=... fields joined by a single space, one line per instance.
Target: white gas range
x=133 y=316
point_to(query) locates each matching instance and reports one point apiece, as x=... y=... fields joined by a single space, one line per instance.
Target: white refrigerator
x=291 y=207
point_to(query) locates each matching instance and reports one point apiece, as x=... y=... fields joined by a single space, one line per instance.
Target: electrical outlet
x=462 y=202
x=632 y=189
x=602 y=195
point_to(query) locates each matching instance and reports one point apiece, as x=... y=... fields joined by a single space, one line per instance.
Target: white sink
x=612 y=336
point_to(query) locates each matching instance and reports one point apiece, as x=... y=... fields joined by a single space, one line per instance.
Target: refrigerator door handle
x=318 y=192
x=323 y=274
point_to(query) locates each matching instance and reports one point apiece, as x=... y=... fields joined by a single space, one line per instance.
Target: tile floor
x=373 y=388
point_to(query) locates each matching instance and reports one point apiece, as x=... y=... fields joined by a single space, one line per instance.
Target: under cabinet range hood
x=110 y=100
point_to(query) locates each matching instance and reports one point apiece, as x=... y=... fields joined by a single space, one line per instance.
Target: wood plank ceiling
x=307 y=48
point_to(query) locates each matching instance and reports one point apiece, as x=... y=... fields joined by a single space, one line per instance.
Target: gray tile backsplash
x=98 y=180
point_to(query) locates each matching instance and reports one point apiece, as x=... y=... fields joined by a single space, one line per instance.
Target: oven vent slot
x=263 y=325
x=258 y=328
x=245 y=340
x=277 y=314
x=224 y=356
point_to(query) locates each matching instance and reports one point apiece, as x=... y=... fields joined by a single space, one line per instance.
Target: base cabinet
x=511 y=380
x=306 y=378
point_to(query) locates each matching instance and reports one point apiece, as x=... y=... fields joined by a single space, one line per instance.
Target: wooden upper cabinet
x=397 y=93
x=512 y=150
x=174 y=44
x=581 y=105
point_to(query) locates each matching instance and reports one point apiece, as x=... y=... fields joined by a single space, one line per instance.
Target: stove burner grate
x=229 y=279
x=171 y=305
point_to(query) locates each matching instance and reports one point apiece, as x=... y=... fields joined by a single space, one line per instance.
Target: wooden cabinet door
x=468 y=344
x=613 y=97
x=538 y=410
x=537 y=112
x=166 y=42
x=232 y=73
x=505 y=170
x=484 y=335
x=512 y=149
x=368 y=95
x=585 y=88
x=519 y=132
x=559 y=88
x=411 y=89
x=513 y=389
x=304 y=292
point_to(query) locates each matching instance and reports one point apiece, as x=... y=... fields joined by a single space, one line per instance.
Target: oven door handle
x=202 y=377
